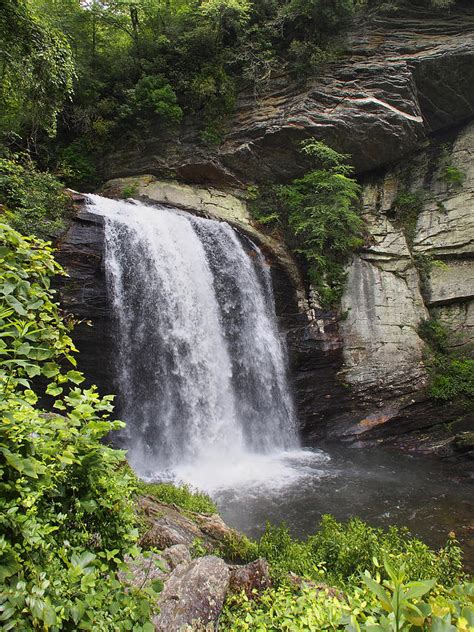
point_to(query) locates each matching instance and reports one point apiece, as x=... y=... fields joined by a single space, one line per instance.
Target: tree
x=36 y=71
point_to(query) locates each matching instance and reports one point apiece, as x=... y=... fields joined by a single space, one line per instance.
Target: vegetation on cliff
x=318 y=216
x=451 y=370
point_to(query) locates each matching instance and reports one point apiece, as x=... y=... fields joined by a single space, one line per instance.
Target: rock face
x=168 y=527
x=402 y=77
x=397 y=283
x=193 y=590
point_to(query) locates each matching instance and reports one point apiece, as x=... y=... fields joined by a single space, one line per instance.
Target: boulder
x=168 y=525
x=193 y=595
x=252 y=578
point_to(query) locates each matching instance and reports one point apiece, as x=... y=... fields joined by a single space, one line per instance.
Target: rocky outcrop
x=252 y=578
x=84 y=295
x=191 y=591
x=169 y=526
x=403 y=76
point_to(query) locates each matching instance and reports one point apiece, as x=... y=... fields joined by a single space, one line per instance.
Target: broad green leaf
x=377 y=589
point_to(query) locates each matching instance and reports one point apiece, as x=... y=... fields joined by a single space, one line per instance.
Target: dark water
x=382 y=488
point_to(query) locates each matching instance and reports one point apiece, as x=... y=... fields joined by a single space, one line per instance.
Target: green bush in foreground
x=393 y=605
x=339 y=552
x=66 y=501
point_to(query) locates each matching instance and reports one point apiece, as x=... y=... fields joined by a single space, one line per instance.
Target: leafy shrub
x=452 y=378
x=238 y=548
x=181 y=496
x=129 y=191
x=76 y=165
x=434 y=333
x=66 y=502
x=319 y=211
x=34 y=201
x=453 y=176
x=153 y=95
x=338 y=552
x=348 y=549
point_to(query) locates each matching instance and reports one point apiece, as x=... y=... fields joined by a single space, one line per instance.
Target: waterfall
x=201 y=366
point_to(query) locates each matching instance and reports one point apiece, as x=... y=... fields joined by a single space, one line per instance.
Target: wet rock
x=193 y=595
x=251 y=578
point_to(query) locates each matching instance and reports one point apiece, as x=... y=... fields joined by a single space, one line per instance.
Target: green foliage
x=434 y=333
x=452 y=378
x=338 y=552
x=407 y=207
x=238 y=548
x=66 y=502
x=76 y=164
x=34 y=201
x=182 y=496
x=129 y=191
x=141 y=66
x=453 y=176
x=452 y=373
x=37 y=70
x=319 y=211
x=153 y=95
x=369 y=606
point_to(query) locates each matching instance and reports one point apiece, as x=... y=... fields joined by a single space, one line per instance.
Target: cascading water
x=201 y=365
x=202 y=386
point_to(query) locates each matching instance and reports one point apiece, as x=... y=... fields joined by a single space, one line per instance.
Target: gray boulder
x=193 y=595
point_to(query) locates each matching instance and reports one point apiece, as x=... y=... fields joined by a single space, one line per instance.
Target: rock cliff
x=400 y=101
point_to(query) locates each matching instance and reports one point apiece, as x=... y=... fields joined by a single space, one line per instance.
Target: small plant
x=129 y=191
x=453 y=176
x=407 y=207
x=434 y=333
x=399 y=600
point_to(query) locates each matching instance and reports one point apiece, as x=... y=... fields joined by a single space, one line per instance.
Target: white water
x=201 y=365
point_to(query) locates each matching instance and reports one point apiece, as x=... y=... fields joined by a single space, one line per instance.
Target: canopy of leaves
x=36 y=70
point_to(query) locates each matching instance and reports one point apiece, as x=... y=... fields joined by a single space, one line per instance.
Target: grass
x=182 y=496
